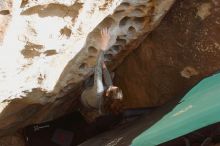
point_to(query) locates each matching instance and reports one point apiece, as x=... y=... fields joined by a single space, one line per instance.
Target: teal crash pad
x=199 y=108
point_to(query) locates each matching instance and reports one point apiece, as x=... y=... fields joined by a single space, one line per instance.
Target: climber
x=102 y=96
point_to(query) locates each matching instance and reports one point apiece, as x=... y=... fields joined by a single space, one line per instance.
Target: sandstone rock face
x=12 y=140
x=5 y=9
x=49 y=46
x=181 y=51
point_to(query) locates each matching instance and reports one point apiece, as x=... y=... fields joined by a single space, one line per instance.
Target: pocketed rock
x=48 y=47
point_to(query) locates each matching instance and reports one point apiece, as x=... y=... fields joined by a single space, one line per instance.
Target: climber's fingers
x=104 y=32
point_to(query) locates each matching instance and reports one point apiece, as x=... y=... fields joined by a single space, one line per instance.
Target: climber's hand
x=105 y=37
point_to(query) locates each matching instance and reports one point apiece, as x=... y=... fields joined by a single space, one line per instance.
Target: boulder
x=49 y=47
x=184 y=49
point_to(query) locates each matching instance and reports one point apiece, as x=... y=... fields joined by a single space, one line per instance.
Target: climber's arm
x=98 y=83
x=106 y=74
x=105 y=37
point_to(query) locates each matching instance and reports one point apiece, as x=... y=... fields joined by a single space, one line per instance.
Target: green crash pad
x=199 y=108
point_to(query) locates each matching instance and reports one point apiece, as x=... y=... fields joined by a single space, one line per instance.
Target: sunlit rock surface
x=49 y=46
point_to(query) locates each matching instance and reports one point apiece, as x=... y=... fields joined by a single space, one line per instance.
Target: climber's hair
x=114 y=93
x=113 y=100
